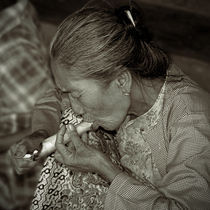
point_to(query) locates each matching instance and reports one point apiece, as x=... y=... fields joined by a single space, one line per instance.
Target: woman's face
x=106 y=107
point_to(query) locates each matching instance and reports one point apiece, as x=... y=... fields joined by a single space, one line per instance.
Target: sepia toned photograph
x=104 y=105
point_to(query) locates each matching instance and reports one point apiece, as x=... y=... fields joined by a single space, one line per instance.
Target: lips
x=87 y=118
x=95 y=126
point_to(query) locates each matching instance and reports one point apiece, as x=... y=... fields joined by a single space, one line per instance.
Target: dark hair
x=101 y=44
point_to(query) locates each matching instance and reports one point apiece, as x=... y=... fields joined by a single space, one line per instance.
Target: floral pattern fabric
x=136 y=154
x=61 y=188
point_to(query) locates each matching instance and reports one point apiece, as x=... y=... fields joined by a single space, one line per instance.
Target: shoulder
x=187 y=118
x=184 y=97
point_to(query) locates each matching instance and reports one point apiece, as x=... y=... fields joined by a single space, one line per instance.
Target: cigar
x=48 y=145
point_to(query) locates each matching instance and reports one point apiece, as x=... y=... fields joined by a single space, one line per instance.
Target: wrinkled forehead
x=65 y=81
x=60 y=76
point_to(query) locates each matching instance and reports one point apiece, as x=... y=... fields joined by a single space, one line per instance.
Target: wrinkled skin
x=79 y=156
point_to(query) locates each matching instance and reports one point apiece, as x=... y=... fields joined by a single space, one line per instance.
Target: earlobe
x=124 y=82
x=126 y=94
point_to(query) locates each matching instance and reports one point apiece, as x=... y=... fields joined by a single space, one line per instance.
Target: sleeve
x=186 y=183
x=47 y=112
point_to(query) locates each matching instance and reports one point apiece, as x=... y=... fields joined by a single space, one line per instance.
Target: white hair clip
x=130 y=17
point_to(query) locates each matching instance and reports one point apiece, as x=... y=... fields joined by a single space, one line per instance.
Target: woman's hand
x=82 y=157
x=27 y=145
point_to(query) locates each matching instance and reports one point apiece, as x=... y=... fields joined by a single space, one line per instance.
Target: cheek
x=109 y=112
x=89 y=102
x=93 y=105
x=113 y=109
x=119 y=109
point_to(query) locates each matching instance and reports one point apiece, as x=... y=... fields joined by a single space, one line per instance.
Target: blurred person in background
x=24 y=77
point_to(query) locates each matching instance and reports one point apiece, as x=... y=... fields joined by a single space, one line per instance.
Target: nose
x=76 y=106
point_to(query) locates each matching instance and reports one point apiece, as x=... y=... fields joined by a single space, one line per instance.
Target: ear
x=124 y=82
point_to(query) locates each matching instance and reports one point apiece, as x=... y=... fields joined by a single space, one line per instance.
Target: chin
x=109 y=128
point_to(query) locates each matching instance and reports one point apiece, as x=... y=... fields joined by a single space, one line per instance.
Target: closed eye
x=66 y=92
x=75 y=94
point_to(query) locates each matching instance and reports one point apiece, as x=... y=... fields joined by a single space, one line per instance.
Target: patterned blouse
x=167 y=150
x=60 y=188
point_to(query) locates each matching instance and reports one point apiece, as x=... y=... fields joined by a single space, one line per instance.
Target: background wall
x=181 y=27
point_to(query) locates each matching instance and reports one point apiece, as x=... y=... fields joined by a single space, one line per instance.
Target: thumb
x=58 y=157
x=76 y=140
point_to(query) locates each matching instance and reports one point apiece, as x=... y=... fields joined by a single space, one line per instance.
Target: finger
x=11 y=152
x=59 y=144
x=24 y=163
x=12 y=149
x=12 y=158
x=22 y=171
x=23 y=166
x=66 y=138
x=60 y=135
x=84 y=137
x=19 y=162
x=71 y=147
x=19 y=171
x=76 y=169
x=17 y=150
x=20 y=151
x=32 y=145
x=76 y=140
x=59 y=157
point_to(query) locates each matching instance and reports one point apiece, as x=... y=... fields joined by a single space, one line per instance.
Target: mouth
x=96 y=123
x=95 y=126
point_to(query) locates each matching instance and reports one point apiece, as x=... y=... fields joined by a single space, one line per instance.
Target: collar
x=11 y=16
x=174 y=73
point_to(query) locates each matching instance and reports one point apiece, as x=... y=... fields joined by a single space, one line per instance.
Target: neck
x=144 y=94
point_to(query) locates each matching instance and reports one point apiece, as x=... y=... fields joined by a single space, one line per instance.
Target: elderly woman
x=118 y=78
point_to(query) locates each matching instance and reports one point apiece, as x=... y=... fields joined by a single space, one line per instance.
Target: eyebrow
x=62 y=91
x=65 y=91
x=56 y=85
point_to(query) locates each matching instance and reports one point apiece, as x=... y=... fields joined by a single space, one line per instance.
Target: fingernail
x=71 y=127
x=57 y=156
x=35 y=155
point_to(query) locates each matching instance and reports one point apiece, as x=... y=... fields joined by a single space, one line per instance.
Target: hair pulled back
x=102 y=43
